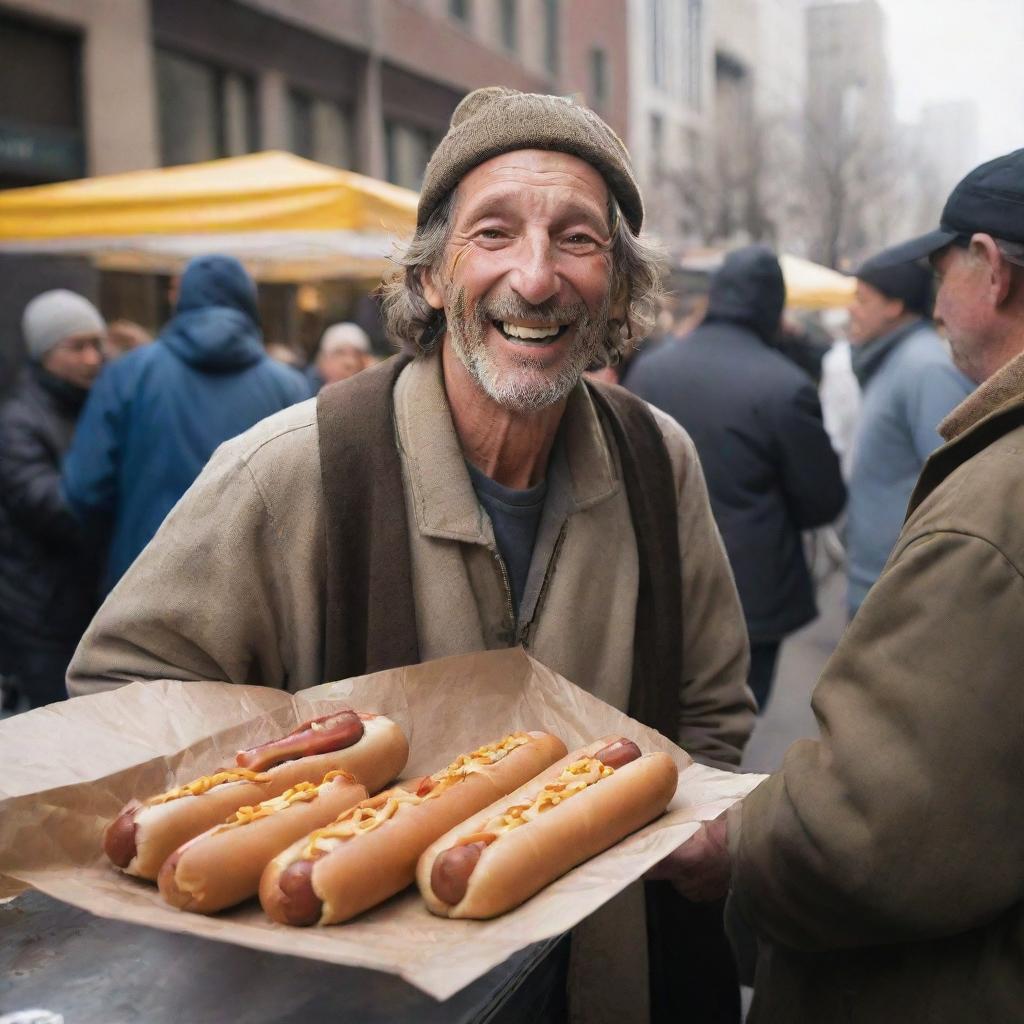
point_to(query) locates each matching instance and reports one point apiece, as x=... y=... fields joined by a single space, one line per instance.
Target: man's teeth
x=530 y=333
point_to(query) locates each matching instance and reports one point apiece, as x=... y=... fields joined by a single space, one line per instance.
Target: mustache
x=514 y=307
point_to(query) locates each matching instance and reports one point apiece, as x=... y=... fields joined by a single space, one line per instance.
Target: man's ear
x=895 y=308
x=431 y=291
x=999 y=273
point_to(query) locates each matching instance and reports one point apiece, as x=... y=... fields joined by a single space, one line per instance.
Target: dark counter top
x=96 y=971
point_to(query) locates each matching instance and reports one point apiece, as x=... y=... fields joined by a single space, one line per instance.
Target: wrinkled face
x=341 y=363
x=960 y=308
x=526 y=277
x=77 y=359
x=872 y=314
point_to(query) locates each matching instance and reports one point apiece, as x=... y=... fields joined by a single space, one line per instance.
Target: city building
x=98 y=86
x=850 y=130
x=671 y=105
x=948 y=140
x=759 y=107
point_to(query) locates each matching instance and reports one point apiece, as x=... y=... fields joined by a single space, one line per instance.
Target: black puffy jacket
x=756 y=421
x=48 y=570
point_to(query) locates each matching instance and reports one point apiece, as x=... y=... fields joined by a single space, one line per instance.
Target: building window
x=657 y=38
x=205 y=111
x=459 y=10
x=320 y=130
x=551 y=49
x=300 y=118
x=598 y=77
x=407 y=149
x=509 y=25
x=40 y=104
x=695 y=54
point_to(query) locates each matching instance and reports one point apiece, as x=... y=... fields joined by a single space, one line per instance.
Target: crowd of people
x=106 y=429
x=482 y=490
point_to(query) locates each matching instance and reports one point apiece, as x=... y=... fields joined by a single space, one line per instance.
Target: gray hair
x=637 y=268
x=1012 y=252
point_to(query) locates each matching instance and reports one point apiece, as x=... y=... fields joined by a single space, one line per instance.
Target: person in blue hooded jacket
x=156 y=415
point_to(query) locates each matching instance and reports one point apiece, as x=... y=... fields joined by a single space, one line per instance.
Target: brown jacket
x=884 y=864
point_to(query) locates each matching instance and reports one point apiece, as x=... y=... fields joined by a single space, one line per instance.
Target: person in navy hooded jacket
x=156 y=415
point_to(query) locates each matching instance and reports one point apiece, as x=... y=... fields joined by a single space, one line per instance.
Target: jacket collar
x=68 y=397
x=1000 y=389
x=996 y=408
x=582 y=471
x=867 y=359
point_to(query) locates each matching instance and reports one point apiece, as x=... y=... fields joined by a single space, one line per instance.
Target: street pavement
x=788 y=716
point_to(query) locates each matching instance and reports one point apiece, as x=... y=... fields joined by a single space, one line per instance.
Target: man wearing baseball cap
x=883 y=866
x=476 y=494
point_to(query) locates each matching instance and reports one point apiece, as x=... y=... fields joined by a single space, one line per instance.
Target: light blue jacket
x=904 y=401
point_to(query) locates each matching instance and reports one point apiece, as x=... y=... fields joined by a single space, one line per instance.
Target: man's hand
x=699 y=869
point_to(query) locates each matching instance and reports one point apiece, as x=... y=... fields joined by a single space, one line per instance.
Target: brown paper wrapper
x=67 y=769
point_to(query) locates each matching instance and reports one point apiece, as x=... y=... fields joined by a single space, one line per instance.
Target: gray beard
x=527 y=385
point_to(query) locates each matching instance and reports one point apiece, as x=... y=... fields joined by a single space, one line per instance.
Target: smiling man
x=475 y=496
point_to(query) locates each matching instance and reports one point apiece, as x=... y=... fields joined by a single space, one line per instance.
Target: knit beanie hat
x=496 y=120
x=911 y=283
x=55 y=315
x=344 y=335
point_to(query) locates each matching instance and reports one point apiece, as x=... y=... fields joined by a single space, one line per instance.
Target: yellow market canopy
x=808 y=285
x=284 y=216
x=811 y=286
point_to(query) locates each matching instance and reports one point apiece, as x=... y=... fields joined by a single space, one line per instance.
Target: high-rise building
x=759 y=102
x=948 y=140
x=848 y=78
x=850 y=141
x=671 y=103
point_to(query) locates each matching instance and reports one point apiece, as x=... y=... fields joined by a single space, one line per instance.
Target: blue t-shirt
x=515 y=516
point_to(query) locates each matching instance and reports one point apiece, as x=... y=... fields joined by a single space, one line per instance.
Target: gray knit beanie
x=496 y=120
x=53 y=316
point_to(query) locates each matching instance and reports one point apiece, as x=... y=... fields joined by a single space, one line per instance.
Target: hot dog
x=369 y=853
x=222 y=866
x=370 y=747
x=579 y=807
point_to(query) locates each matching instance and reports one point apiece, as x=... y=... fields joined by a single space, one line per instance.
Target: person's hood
x=216 y=322
x=748 y=289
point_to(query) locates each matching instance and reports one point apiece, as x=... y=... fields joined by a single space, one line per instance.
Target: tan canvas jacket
x=232 y=585
x=885 y=863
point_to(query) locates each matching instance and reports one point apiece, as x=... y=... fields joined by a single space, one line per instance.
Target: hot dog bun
x=222 y=866
x=370 y=853
x=144 y=834
x=507 y=867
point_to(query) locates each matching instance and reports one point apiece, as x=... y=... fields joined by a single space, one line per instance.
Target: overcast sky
x=957 y=49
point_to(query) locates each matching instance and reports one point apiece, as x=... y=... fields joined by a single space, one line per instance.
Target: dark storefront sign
x=40 y=103
x=37 y=152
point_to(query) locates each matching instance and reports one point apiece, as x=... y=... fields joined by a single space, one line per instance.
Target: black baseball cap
x=990 y=200
x=910 y=282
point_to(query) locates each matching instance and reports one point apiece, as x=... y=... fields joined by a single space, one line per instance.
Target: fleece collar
x=1004 y=386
